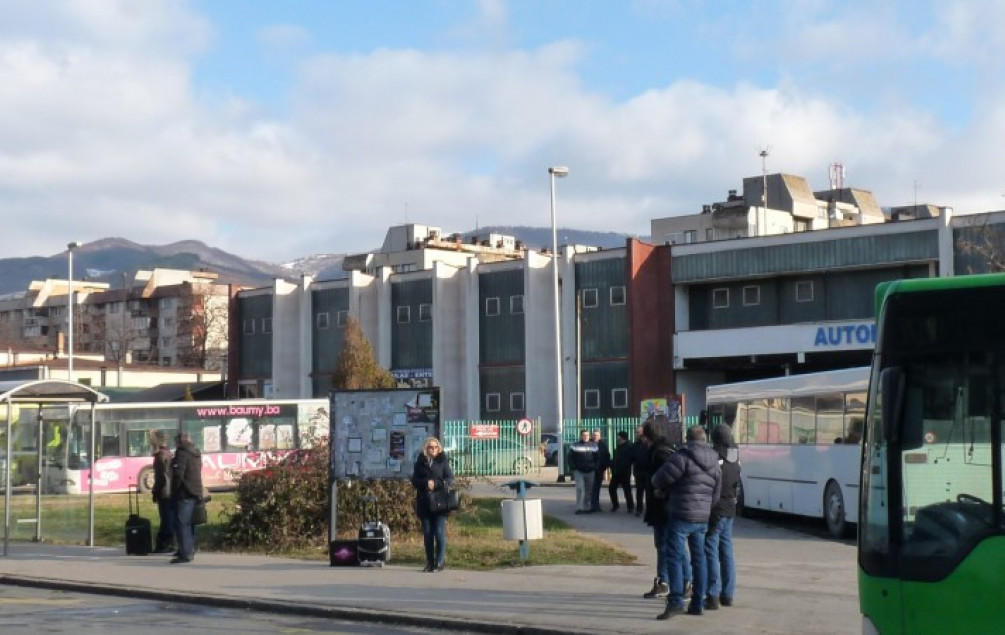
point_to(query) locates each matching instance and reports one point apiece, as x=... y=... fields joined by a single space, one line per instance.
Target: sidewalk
x=788 y=583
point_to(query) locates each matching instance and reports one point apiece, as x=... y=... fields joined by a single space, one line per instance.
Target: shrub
x=285 y=505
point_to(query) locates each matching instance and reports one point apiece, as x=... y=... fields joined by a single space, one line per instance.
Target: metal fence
x=501 y=448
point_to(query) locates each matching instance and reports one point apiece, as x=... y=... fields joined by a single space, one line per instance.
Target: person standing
x=621 y=472
x=582 y=460
x=161 y=492
x=719 y=539
x=432 y=473
x=603 y=464
x=656 y=452
x=692 y=480
x=186 y=491
x=640 y=470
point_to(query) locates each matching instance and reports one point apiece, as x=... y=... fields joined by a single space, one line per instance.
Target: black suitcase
x=373 y=547
x=137 y=528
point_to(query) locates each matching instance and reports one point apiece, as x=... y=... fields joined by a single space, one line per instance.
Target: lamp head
x=73 y=245
x=559 y=170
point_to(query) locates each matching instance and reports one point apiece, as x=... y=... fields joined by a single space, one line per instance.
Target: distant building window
x=709 y=234
x=491 y=306
x=690 y=236
x=720 y=298
x=342 y=318
x=169 y=303
x=751 y=295
x=800 y=225
x=619 y=397
x=591 y=399
x=266 y=325
x=425 y=312
x=322 y=320
x=516 y=305
x=674 y=238
x=516 y=401
x=114 y=307
x=405 y=268
x=249 y=327
x=493 y=402
x=617 y=295
x=804 y=291
x=404 y=314
x=589 y=298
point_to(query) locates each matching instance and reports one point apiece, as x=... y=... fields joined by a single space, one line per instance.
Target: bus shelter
x=25 y=407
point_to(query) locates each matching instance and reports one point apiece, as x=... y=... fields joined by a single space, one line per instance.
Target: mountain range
x=107 y=259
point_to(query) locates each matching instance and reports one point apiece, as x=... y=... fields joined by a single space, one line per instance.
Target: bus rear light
x=916 y=458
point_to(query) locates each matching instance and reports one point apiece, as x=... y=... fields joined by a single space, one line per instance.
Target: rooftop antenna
x=837 y=176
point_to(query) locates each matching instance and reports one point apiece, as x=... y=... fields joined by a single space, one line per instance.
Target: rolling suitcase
x=373 y=548
x=137 y=528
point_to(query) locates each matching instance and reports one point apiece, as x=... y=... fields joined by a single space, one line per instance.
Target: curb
x=348 y=613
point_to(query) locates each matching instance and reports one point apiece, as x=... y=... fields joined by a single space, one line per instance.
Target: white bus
x=799 y=439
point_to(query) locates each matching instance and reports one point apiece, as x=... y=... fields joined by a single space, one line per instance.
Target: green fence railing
x=502 y=448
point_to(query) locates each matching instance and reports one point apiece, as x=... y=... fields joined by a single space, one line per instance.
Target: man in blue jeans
x=719 y=539
x=692 y=481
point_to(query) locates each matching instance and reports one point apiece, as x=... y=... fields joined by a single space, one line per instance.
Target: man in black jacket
x=583 y=462
x=657 y=451
x=719 y=539
x=162 y=493
x=186 y=491
x=621 y=472
x=603 y=464
x=692 y=480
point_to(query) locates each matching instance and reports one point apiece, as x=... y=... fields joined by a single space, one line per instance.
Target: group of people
x=176 y=490
x=686 y=493
x=691 y=498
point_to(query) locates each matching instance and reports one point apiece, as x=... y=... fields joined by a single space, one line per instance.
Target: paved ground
x=788 y=583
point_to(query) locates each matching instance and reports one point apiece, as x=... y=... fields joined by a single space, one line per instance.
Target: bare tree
x=982 y=244
x=202 y=328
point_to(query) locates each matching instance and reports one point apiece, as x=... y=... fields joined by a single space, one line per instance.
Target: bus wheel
x=145 y=480
x=834 y=510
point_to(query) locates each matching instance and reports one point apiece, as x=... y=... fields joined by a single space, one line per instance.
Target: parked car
x=495 y=456
x=549 y=446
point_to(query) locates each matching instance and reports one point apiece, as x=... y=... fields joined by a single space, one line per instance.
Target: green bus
x=931 y=532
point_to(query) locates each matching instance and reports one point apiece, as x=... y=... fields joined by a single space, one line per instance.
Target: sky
x=281 y=129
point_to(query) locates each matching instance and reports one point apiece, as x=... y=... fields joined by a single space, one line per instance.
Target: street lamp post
x=69 y=305
x=560 y=172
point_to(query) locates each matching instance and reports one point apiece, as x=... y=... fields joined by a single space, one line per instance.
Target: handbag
x=199 y=515
x=441 y=501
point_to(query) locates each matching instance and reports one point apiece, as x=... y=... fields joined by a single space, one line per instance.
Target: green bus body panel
x=914 y=285
x=969 y=600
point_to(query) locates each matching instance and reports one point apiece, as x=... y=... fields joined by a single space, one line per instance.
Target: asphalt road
x=28 y=611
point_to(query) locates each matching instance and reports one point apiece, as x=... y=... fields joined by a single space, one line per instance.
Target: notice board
x=379 y=433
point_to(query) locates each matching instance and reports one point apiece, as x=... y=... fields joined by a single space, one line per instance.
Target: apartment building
x=162 y=317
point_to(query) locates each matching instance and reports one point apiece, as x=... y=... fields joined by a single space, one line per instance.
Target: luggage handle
x=129 y=495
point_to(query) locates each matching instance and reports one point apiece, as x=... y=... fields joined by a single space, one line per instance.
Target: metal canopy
x=49 y=390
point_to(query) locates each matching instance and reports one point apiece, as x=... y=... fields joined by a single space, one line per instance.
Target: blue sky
x=276 y=130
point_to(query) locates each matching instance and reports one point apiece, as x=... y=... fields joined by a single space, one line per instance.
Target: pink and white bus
x=234 y=437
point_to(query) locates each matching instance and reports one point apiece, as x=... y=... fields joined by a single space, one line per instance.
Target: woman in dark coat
x=432 y=473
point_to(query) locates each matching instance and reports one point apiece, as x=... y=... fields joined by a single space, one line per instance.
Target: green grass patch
x=474 y=535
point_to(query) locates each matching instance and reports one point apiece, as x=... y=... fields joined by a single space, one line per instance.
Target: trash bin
x=522 y=519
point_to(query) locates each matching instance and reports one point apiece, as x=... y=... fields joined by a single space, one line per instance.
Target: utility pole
x=764 y=191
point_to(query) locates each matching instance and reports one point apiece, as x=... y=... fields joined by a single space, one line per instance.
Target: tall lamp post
x=559 y=172
x=69 y=305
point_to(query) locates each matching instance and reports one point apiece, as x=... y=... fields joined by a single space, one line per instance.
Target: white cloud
x=106 y=135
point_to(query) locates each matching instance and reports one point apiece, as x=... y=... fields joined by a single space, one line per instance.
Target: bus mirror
x=891 y=386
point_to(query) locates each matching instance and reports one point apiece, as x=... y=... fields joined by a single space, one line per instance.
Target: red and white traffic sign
x=524 y=426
